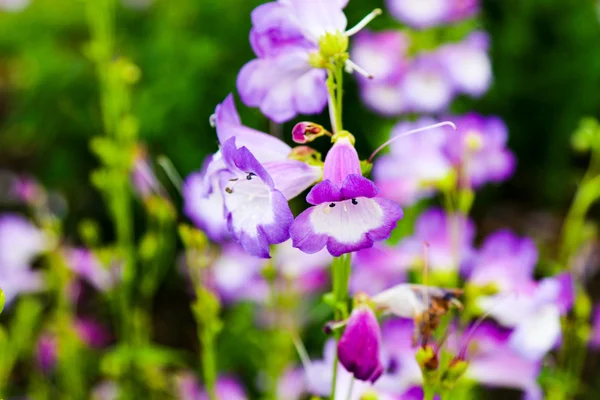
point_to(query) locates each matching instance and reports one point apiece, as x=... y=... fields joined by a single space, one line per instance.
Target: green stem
x=340 y=271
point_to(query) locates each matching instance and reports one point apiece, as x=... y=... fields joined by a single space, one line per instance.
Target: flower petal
x=358 y=186
x=264 y=147
x=324 y=192
x=358 y=348
x=345 y=226
x=292 y=177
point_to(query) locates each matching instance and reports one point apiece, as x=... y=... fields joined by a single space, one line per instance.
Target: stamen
x=212 y=120
x=250 y=175
x=351 y=66
x=354 y=202
x=363 y=22
x=331 y=205
x=404 y=134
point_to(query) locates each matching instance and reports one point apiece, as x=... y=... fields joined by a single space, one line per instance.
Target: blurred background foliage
x=544 y=55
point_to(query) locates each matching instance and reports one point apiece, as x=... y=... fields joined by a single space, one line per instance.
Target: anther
x=229 y=190
x=354 y=202
x=331 y=205
x=250 y=175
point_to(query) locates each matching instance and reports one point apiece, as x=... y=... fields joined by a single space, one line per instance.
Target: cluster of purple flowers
x=406 y=79
x=472 y=156
x=243 y=193
x=505 y=353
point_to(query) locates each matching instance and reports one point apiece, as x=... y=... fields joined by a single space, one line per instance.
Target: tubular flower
x=257 y=213
x=252 y=170
x=346 y=215
x=292 y=39
x=358 y=348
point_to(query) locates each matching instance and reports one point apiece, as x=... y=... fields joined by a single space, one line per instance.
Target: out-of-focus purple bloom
x=20 y=243
x=492 y=362
x=468 y=64
x=427 y=13
x=89 y=268
x=308 y=273
x=107 y=390
x=415 y=164
x=90 y=333
x=377 y=268
x=449 y=239
x=479 y=150
x=533 y=309
x=237 y=275
x=46 y=352
x=540 y=329
x=358 y=348
x=143 y=178
x=14 y=5
x=595 y=337
x=427 y=87
x=292 y=385
x=402 y=369
x=346 y=215
x=383 y=54
x=281 y=80
x=17 y=189
x=228 y=388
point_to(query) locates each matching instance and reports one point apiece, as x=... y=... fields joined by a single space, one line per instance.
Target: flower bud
x=358 y=348
x=305 y=132
x=341 y=160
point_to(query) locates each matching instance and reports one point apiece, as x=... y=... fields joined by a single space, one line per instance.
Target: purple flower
x=383 y=54
x=595 y=337
x=228 y=388
x=479 y=150
x=263 y=146
x=89 y=268
x=533 y=309
x=90 y=332
x=539 y=331
x=205 y=210
x=20 y=243
x=281 y=81
x=468 y=64
x=377 y=268
x=427 y=13
x=247 y=184
x=257 y=213
x=492 y=362
x=46 y=352
x=346 y=215
x=143 y=178
x=358 y=348
x=427 y=87
x=419 y=13
x=449 y=239
x=415 y=165
x=14 y=5
x=236 y=275
x=292 y=385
